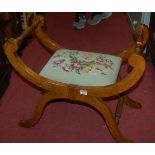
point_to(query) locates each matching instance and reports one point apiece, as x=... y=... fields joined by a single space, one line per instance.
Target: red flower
x=74 y=65
x=65 y=69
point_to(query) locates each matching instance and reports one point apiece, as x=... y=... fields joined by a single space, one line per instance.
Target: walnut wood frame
x=95 y=95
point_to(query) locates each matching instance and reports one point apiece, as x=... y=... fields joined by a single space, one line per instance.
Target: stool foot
x=38 y=111
x=124 y=99
x=131 y=103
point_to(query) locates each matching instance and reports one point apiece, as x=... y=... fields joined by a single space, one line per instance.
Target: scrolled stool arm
x=138 y=64
x=44 y=39
x=10 y=49
x=141 y=36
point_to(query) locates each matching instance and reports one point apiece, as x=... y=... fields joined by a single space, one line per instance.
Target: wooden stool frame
x=95 y=95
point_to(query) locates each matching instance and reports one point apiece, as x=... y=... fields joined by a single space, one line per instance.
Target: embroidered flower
x=74 y=65
x=87 y=69
x=65 y=69
x=57 y=62
x=75 y=61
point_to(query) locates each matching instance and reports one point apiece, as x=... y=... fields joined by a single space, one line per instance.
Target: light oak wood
x=95 y=95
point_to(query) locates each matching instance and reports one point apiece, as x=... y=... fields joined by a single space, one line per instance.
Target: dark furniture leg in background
x=10 y=26
x=151 y=42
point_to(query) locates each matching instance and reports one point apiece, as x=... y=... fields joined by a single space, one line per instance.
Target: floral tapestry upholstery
x=82 y=68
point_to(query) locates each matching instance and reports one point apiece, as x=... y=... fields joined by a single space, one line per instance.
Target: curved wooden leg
x=119 y=109
x=128 y=101
x=38 y=110
x=103 y=109
x=124 y=99
x=96 y=103
x=131 y=103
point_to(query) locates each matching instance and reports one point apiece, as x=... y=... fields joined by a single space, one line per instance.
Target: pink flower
x=65 y=69
x=74 y=65
x=100 y=61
